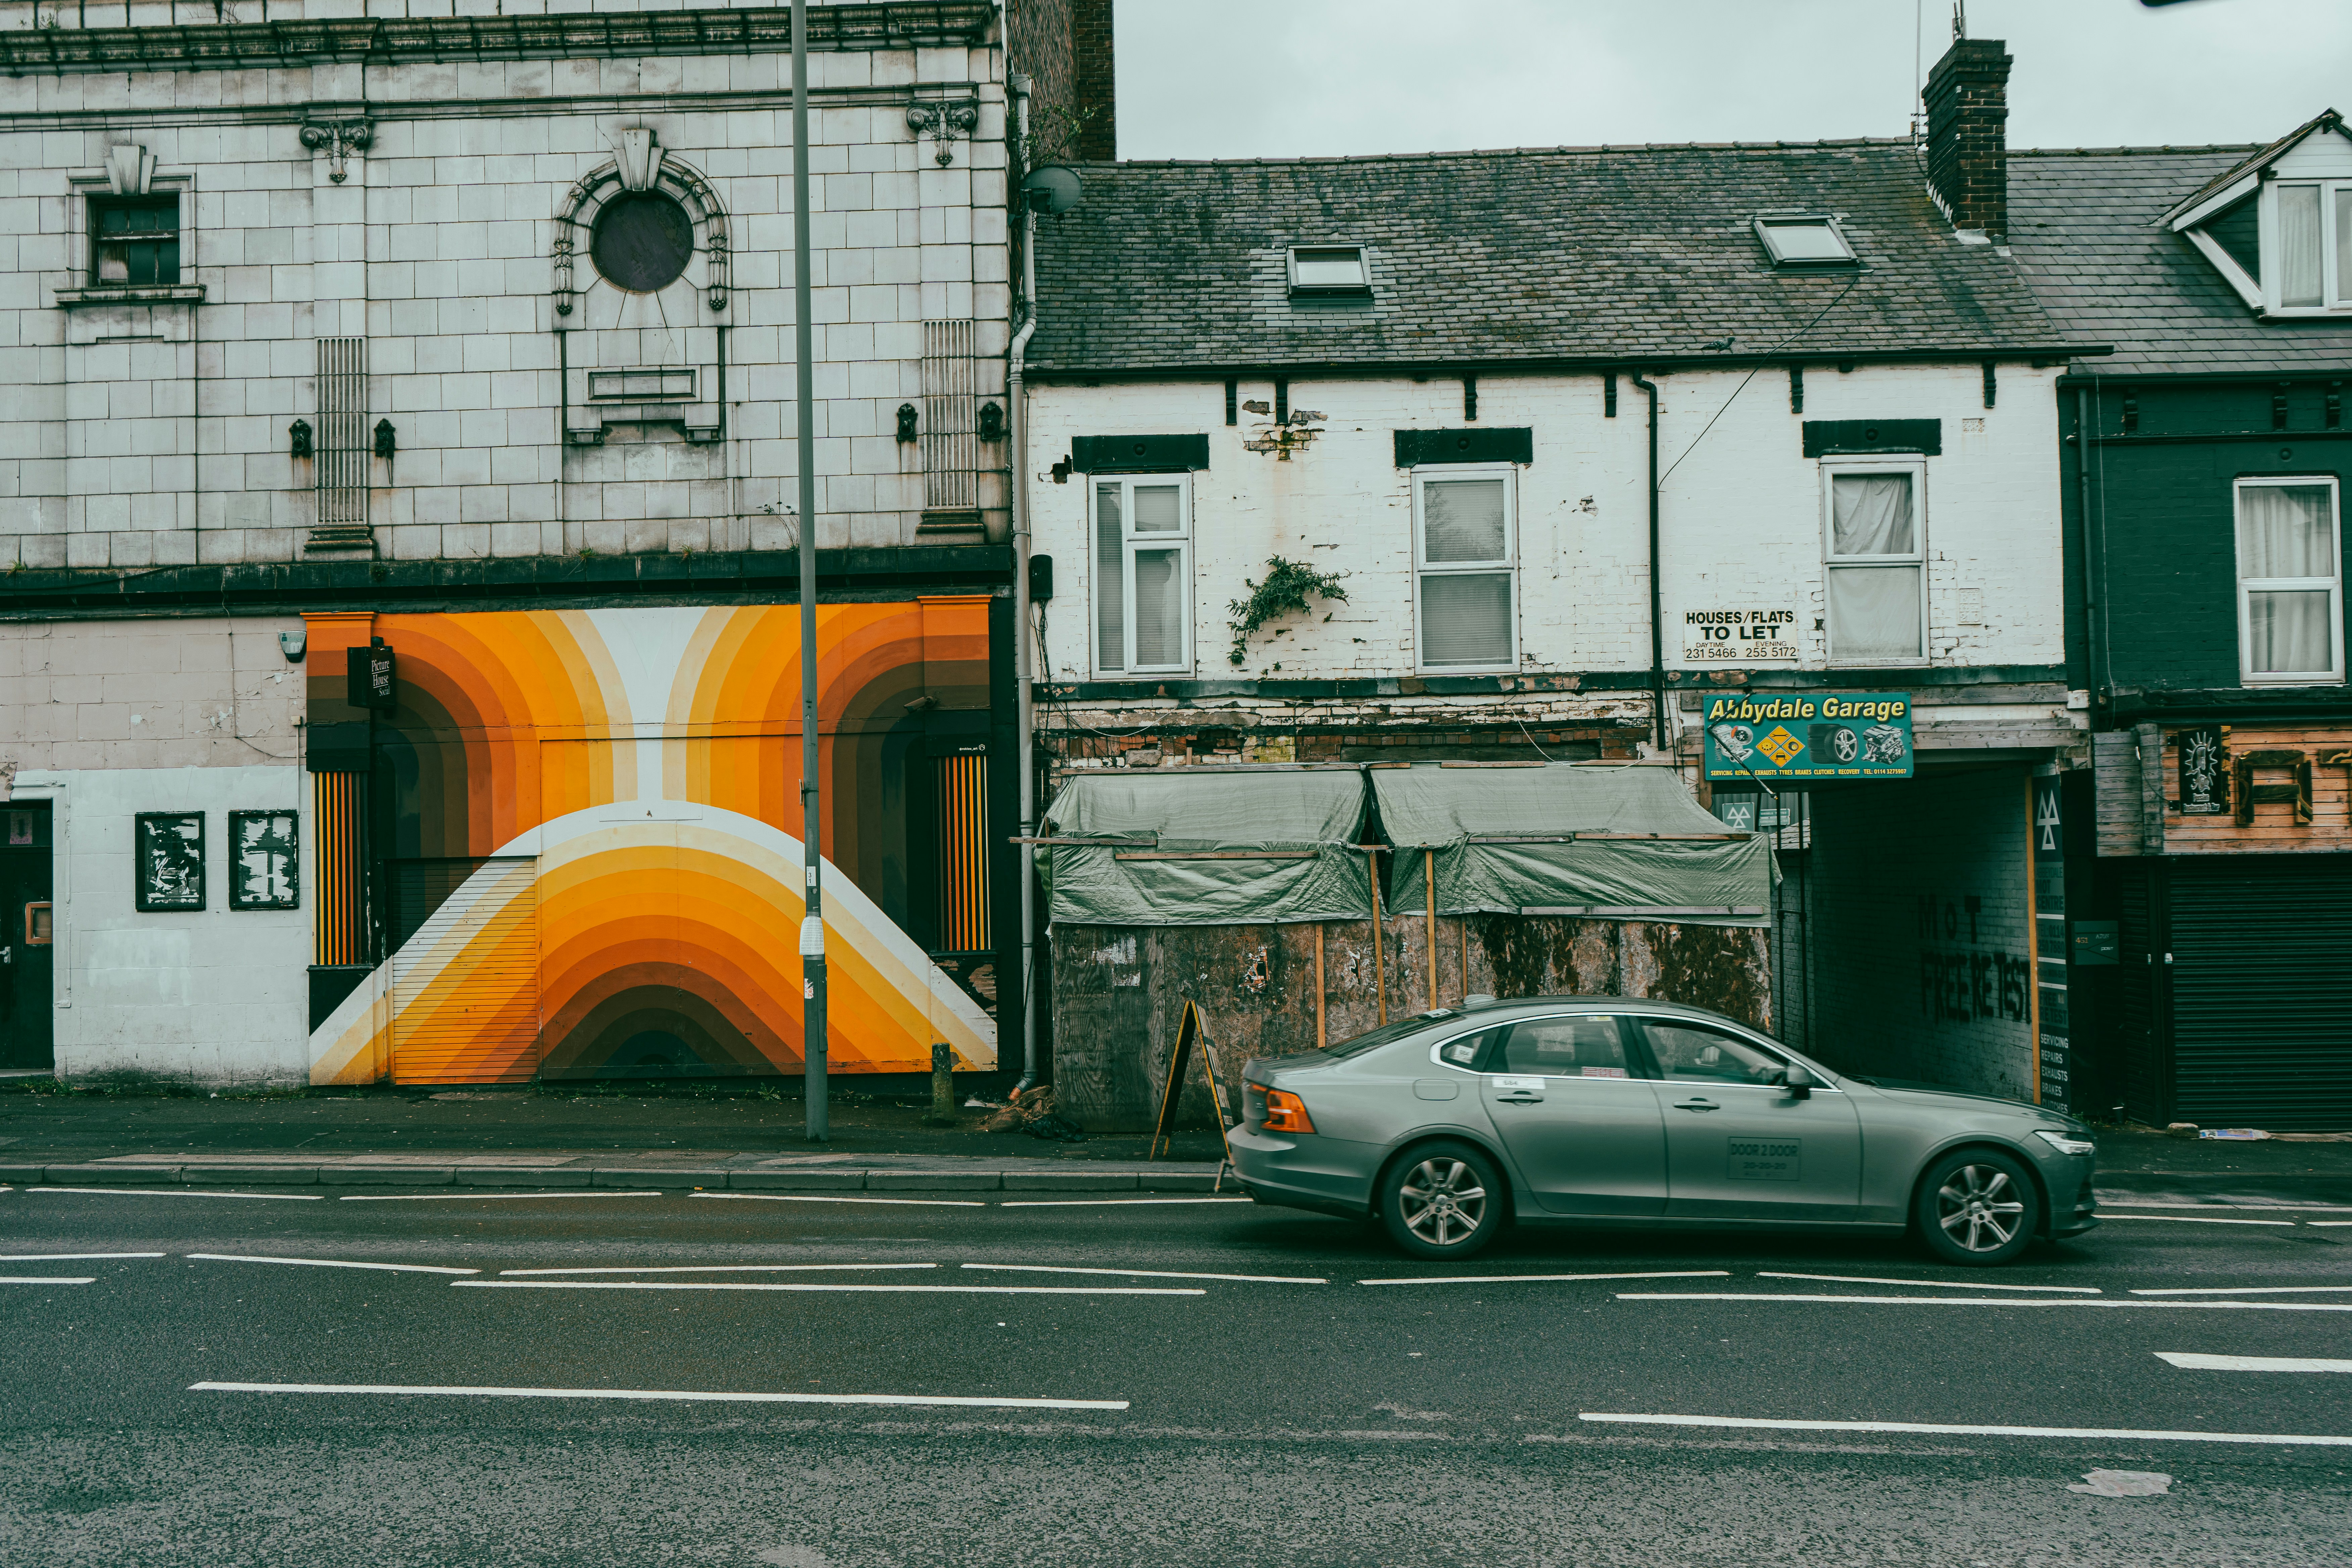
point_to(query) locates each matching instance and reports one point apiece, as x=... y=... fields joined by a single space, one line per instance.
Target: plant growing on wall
x=1287 y=587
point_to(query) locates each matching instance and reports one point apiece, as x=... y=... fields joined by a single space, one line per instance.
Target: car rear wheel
x=1443 y=1200
x=1977 y=1206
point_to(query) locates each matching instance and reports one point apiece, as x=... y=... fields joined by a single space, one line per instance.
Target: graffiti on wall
x=590 y=825
x=1961 y=984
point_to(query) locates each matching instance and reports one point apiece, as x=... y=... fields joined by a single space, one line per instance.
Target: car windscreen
x=1371 y=1040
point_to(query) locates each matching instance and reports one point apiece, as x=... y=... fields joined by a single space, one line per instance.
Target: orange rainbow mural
x=582 y=858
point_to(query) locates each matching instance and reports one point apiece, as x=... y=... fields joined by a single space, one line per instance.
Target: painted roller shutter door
x=465 y=978
x=2261 y=993
x=2138 y=987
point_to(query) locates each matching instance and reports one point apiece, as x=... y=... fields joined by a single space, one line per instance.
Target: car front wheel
x=1977 y=1206
x=1443 y=1200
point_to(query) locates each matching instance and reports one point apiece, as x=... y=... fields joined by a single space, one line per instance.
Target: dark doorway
x=27 y=937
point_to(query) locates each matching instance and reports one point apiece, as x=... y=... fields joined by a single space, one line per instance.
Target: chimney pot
x=1967 y=134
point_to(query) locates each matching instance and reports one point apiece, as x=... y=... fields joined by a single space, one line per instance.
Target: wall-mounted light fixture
x=294 y=644
x=906 y=421
x=385 y=441
x=991 y=422
x=297 y=439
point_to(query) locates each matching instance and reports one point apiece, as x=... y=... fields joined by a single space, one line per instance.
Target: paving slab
x=112 y=1176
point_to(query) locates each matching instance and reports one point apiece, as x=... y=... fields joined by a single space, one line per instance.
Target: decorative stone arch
x=643 y=165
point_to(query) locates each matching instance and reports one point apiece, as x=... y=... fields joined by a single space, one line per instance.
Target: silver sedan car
x=1604 y=1111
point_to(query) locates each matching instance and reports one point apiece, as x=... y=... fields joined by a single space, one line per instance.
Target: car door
x=1742 y=1146
x=1577 y=1115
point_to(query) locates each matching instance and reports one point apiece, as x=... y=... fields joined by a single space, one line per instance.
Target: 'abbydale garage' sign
x=1827 y=735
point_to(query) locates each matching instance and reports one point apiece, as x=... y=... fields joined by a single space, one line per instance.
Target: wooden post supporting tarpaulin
x=1429 y=885
x=1188 y=1032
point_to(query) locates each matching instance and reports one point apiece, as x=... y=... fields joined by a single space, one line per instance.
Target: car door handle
x=1521 y=1099
x=1696 y=1105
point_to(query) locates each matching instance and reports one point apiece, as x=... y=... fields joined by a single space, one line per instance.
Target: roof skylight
x=1328 y=269
x=1805 y=239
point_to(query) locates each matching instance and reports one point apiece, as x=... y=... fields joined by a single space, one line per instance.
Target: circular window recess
x=643 y=241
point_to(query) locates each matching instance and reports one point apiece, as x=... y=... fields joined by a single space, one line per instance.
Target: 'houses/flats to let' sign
x=1831 y=736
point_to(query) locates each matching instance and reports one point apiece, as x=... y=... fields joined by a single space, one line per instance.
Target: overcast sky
x=1248 y=78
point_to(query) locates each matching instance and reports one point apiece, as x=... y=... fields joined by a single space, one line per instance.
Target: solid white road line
x=1517 y=1278
x=71 y=1257
x=2193 y=1218
x=894 y=1290
x=1939 y=1284
x=2242 y=1290
x=2328 y=1223
x=1950 y=1429
x=11 y=1279
x=2259 y=1207
x=1151 y=1274
x=326 y=1263
x=2252 y=1362
x=178 y=1192
x=428 y=1198
x=1104 y=1203
x=696 y=1396
x=1991 y=1301
x=724 y=1268
x=2279 y=1208
x=813 y=1198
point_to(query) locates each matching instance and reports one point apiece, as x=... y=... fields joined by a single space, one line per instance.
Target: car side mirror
x=1798 y=1081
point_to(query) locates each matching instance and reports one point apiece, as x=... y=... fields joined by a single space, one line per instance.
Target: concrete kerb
x=522 y=1176
x=388 y=1175
x=118 y=1175
x=248 y=1175
x=668 y=1180
x=934 y=1181
x=831 y=1179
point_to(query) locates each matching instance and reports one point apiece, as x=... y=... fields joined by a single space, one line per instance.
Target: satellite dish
x=1052 y=188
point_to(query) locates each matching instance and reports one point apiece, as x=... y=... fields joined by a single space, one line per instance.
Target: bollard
x=943 y=1106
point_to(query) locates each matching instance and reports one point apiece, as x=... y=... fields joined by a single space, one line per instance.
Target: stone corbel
x=130 y=168
x=944 y=123
x=340 y=139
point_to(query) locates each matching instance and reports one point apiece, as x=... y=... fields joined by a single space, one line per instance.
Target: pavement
x=338 y=1372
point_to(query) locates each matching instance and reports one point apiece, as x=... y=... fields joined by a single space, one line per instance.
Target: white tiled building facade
x=374 y=234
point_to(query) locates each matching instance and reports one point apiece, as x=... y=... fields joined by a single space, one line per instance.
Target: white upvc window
x=2307 y=246
x=1464 y=557
x=1142 y=573
x=2290 y=583
x=1875 y=559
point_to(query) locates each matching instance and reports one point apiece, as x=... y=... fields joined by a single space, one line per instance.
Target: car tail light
x=1286 y=1112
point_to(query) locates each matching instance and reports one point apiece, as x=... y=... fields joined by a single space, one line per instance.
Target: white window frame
x=2249 y=587
x=1767 y=222
x=1915 y=465
x=1440 y=473
x=1130 y=542
x=2334 y=270
x=1363 y=287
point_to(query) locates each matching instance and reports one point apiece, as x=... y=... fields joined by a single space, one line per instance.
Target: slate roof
x=1628 y=256
x=2087 y=230
x=2326 y=119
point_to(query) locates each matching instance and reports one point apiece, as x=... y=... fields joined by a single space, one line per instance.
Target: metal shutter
x=2261 y=993
x=464 y=976
x=2139 y=981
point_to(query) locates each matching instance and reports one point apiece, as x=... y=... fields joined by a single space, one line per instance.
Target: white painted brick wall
x=1741 y=512
x=437 y=248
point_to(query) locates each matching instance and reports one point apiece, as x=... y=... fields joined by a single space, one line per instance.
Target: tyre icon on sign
x=1836 y=743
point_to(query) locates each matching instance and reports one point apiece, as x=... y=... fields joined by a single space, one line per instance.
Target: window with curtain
x=2290 y=582
x=2313 y=268
x=1464 y=531
x=1143 y=573
x=1874 y=566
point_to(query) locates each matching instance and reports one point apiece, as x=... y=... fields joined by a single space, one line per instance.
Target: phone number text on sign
x=1713 y=635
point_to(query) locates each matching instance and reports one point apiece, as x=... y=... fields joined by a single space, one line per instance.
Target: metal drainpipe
x=1024 y=720
x=1657 y=631
x=2090 y=551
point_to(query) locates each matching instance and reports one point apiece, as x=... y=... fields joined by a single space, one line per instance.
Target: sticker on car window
x=1604 y=1072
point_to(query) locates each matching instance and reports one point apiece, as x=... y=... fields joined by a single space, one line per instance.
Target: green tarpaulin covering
x=1211 y=847
x=1205 y=820
x=1603 y=860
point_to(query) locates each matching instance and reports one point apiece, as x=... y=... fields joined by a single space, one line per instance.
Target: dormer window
x=1330 y=272
x=2315 y=242
x=2278 y=227
x=1799 y=240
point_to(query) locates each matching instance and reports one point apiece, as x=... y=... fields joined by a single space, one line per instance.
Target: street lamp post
x=813 y=998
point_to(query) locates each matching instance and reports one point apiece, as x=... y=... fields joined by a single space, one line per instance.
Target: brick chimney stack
x=1967 y=135
x=1093 y=86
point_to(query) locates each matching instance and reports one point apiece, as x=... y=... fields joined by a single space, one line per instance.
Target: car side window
x=1695 y=1053
x=1463 y=1051
x=1580 y=1046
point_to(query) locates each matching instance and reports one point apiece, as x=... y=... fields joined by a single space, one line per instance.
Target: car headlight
x=2066 y=1142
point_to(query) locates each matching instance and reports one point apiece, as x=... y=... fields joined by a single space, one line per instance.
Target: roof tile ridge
x=1888 y=142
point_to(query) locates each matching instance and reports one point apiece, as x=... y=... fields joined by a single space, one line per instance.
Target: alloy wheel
x=1980 y=1208
x=1443 y=1200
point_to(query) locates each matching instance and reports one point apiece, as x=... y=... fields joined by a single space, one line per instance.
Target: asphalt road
x=1191 y=1419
